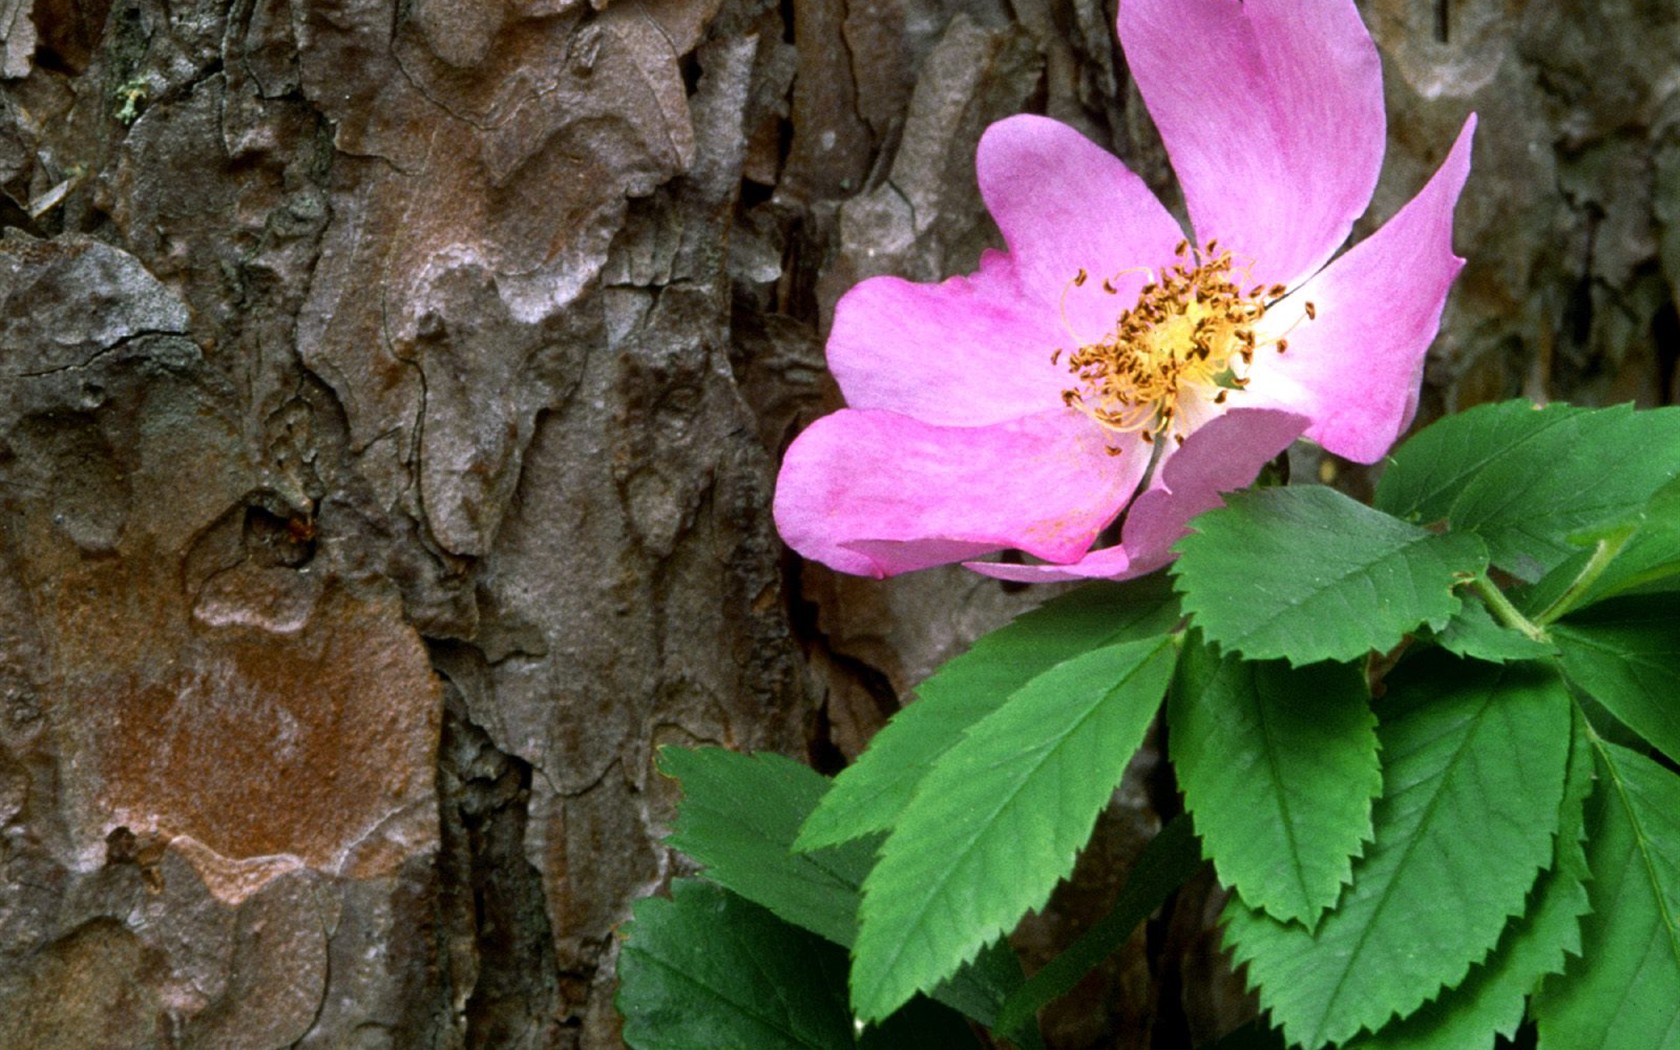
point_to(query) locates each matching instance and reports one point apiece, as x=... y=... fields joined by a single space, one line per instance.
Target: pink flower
x=1024 y=406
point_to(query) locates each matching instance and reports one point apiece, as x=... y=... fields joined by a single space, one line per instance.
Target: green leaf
x=1638 y=554
x=1472 y=632
x=1165 y=865
x=1526 y=478
x=981 y=987
x=1626 y=654
x=999 y=818
x=1651 y=555
x=707 y=969
x=1492 y=998
x=1474 y=759
x=1307 y=574
x=869 y=795
x=1433 y=467
x=1279 y=767
x=1624 y=990
x=738 y=817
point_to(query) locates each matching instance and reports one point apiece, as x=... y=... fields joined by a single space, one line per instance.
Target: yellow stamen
x=1192 y=333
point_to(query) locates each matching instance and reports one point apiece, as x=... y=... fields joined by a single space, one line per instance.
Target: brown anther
x=1282 y=345
x=1111 y=450
x=1190 y=333
x=1276 y=291
x=1079 y=278
x=1179 y=438
x=1312 y=312
x=1055 y=357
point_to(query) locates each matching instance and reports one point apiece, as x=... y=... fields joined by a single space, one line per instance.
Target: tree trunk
x=390 y=400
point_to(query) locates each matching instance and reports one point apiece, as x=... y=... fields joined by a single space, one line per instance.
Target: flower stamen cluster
x=1192 y=333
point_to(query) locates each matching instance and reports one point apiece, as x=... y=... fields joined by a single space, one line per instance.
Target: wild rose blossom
x=1025 y=405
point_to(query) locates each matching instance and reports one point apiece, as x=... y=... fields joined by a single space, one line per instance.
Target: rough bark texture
x=390 y=397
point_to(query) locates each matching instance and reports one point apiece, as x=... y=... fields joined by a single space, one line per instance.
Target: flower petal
x=1225 y=454
x=1065 y=204
x=1109 y=563
x=969 y=351
x=975 y=350
x=1272 y=114
x=877 y=493
x=1355 y=370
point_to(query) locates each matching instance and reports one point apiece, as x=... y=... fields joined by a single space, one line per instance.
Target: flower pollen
x=1191 y=334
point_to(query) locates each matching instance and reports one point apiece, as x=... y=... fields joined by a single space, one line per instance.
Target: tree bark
x=390 y=400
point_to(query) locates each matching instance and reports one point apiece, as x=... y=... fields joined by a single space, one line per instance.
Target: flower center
x=1189 y=340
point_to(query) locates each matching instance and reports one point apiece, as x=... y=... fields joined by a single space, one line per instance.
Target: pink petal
x=1065 y=204
x=1355 y=370
x=877 y=493
x=973 y=351
x=967 y=352
x=1109 y=563
x=1272 y=113
x=1225 y=454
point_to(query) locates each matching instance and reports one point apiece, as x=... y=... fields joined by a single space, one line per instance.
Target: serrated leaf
x=1474 y=633
x=1624 y=989
x=868 y=795
x=1429 y=471
x=1279 y=767
x=1526 y=478
x=707 y=969
x=1652 y=554
x=1626 y=654
x=1474 y=759
x=1639 y=554
x=982 y=986
x=1165 y=864
x=1307 y=574
x=999 y=818
x=738 y=817
x=1491 y=1000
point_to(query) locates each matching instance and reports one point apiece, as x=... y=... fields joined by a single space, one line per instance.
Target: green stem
x=1602 y=556
x=1501 y=607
